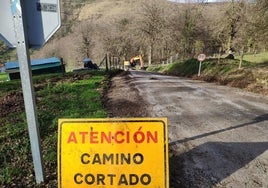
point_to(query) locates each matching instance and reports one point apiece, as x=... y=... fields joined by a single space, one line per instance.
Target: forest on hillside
x=157 y=29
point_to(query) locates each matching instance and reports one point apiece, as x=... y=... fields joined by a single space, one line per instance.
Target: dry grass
x=100 y=12
x=106 y=9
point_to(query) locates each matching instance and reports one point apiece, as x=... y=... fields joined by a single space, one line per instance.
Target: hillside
x=107 y=9
x=102 y=22
x=67 y=41
x=158 y=29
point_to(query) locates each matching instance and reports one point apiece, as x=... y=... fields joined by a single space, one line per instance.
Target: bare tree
x=86 y=43
x=259 y=20
x=160 y=28
x=152 y=25
x=190 y=29
x=117 y=38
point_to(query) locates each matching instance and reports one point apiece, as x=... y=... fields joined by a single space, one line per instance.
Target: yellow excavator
x=133 y=62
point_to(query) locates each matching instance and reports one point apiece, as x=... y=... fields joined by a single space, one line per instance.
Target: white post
x=199 y=70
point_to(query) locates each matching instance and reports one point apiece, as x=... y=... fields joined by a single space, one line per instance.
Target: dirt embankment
x=253 y=80
x=122 y=99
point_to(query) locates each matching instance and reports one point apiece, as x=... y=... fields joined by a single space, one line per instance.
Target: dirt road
x=218 y=135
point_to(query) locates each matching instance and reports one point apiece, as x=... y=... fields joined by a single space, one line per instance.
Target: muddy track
x=122 y=99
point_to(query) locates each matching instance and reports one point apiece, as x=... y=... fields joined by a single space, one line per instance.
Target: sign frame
x=114 y=124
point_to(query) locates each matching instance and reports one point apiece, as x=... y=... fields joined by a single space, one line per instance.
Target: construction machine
x=133 y=62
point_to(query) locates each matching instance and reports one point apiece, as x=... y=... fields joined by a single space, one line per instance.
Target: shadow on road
x=210 y=163
x=201 y=168
x=258 y=119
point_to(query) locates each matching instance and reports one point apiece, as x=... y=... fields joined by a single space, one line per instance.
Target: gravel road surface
x=218 y=136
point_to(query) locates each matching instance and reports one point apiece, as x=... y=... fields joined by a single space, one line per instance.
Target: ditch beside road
x=218 y=135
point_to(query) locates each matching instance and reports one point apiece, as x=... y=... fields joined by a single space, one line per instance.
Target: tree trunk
x=241 y=57
x=219 y=55
x=150 y=55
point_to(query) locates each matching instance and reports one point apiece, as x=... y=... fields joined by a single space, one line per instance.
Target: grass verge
x=3 y=77
x=58 y=96
x=253 y=76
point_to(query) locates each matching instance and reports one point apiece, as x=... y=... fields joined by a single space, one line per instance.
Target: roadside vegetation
x=71 y=95
x=252 y=76
x=3 y=77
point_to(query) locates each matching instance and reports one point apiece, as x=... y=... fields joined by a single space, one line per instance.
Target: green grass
x=252 y=75
x=256 y=58
x=58 y=96
x=185 y=68
x=3 y=77
x=212 y=67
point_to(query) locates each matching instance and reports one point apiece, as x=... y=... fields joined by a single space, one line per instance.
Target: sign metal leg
x=199 y=70
x=28 y=91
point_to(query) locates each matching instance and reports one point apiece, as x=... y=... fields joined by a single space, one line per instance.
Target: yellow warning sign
x=117 y=153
